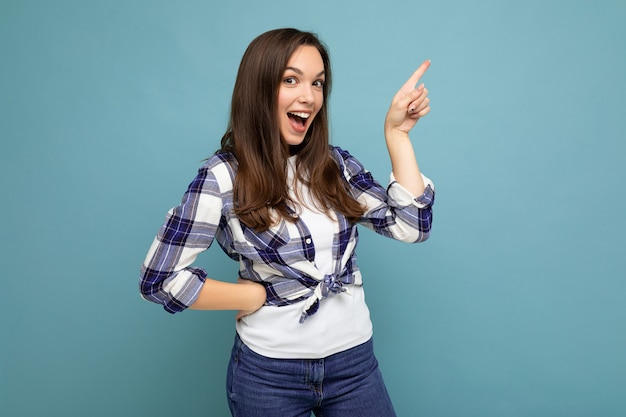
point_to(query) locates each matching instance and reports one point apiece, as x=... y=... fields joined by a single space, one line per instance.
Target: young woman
x=285 y=204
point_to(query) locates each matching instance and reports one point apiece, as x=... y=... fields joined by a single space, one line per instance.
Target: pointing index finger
x=412 y=81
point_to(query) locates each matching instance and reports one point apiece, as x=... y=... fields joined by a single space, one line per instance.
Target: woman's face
x=300 y=95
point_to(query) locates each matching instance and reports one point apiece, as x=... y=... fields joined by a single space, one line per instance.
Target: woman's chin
x=293 y=140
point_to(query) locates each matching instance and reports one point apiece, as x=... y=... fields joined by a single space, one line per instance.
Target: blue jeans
x=346 y=384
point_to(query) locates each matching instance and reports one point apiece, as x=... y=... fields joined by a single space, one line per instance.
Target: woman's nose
x=306 y=94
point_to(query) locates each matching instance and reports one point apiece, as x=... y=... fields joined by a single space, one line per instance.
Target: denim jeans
x=346 y=384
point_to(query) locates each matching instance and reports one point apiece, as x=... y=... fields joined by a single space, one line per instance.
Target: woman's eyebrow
x=299 y=72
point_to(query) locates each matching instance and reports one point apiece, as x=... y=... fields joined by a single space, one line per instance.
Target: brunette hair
x=253 y=137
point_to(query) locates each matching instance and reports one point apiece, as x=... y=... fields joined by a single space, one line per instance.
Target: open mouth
x=298 y=120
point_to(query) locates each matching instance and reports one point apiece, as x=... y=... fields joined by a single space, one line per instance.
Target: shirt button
x=308 y=241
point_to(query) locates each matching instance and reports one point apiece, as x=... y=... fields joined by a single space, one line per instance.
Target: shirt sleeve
x=167 y=275
x=403 y=197
x=393 y=211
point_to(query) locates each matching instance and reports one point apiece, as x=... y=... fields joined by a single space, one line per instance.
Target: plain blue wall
x=514 y=307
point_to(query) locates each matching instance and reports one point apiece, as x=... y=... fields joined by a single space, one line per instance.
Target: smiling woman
x=301 y=94
x=285 y=204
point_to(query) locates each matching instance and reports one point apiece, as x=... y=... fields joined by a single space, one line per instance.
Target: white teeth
x=299 y=114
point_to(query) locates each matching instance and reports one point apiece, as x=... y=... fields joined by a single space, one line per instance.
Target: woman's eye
x=290 y=81
x=319 y=83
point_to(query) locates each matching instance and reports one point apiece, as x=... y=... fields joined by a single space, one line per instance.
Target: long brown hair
x=253 y=136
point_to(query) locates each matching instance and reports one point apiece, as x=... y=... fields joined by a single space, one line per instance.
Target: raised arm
x=408 y=105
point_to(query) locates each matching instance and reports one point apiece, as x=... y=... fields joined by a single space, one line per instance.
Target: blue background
x=514 y=307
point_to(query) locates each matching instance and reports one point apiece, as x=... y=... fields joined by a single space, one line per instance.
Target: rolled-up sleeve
x=167 y=275
x=392 y=212
x=401 y=197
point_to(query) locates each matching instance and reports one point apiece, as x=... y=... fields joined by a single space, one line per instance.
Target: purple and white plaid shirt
x=282 y=258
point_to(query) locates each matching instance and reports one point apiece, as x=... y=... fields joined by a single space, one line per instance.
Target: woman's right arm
x=167 y=275
x=245 y=296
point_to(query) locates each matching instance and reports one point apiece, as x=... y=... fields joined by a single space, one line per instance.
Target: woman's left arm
x=408 y=105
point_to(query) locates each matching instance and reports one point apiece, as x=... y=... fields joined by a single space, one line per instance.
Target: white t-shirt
x=342 y=321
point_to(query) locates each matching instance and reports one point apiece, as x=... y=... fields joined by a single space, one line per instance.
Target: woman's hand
x=257 y=297
x=409 y=104
x=407 y=107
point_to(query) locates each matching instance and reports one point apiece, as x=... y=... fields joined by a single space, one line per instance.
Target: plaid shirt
x=282 y=258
